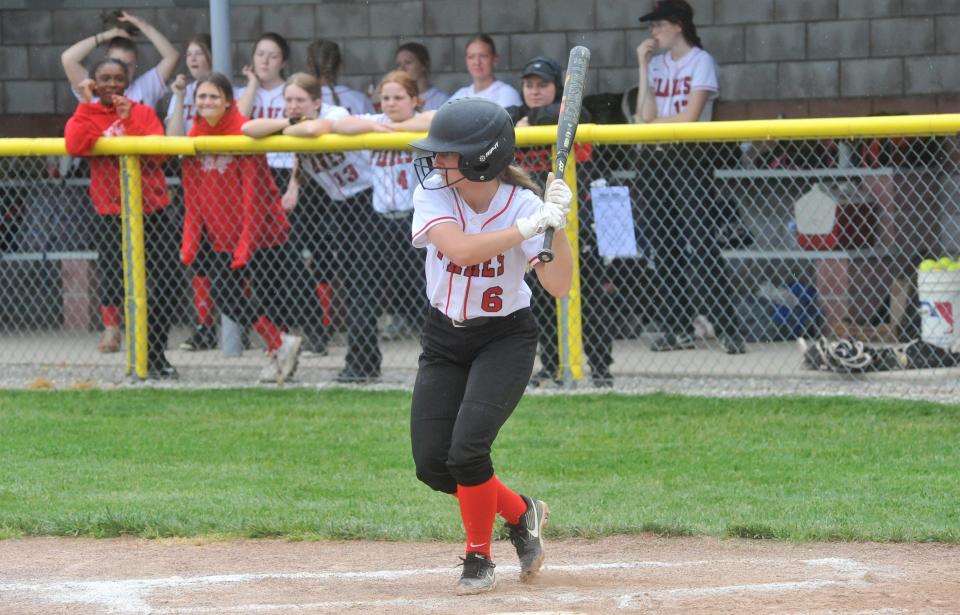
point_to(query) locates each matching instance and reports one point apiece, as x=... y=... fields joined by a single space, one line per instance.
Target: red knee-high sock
x=203 y=300
x=110 y=314
x=269 y=332
x=478 y=508
x=325 y=295
x=510 y=505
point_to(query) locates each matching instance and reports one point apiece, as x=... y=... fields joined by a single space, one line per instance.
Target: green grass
x=336 y=464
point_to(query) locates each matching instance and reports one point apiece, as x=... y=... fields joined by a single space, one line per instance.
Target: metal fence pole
x=569 y=322
x=220 y=36
x=134 y=272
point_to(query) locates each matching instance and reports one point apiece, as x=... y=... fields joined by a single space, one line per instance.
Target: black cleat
x=673 y=341
x=527 y=537
x=478 y=575
x=349 y=376
x=544 y=376
x=602 y=378
x=161 y=369
x=732 y=344
x=202 y=338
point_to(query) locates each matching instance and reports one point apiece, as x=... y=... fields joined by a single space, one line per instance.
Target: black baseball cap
x=670 y=10
x=543 y=67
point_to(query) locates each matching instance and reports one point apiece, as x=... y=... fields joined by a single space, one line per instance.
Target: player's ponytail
x=323 y=61
x=690 y=34
x=516 y=176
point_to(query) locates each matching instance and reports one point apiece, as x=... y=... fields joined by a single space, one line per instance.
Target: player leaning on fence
x=113 y=115
x=394 y=180
x=234 y=228
x=680 y=85
x=338 y=201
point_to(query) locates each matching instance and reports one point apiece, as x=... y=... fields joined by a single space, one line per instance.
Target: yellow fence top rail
x=751 y=130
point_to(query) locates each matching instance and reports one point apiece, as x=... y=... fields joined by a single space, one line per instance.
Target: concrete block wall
x=777 y=57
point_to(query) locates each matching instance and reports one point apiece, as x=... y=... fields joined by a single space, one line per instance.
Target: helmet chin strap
x=424 y=168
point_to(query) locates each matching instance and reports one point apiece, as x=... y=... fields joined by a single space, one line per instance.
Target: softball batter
x=480 y=219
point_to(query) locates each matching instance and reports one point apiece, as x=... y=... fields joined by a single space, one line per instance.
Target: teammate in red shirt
x=113 y=115
x=234 y=227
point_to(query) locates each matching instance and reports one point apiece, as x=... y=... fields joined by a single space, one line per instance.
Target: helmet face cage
x=423 y=165
x=479 y=130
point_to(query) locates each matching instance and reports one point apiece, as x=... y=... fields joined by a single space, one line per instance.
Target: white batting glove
x=550 y=214
x=559 y=193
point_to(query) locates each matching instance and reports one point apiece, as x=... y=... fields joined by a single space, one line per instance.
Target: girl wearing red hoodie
x=234 y=221
x=113 y=115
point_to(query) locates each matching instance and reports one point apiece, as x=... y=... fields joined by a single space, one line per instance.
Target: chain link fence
x=699 y=261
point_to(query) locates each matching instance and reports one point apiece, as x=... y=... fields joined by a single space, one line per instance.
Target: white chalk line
x=128 y=595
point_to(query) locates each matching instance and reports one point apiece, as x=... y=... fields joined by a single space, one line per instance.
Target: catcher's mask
x=477 y=129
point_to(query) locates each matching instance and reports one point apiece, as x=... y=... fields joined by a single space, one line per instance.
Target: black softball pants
x=359 y=262
x=263 y=274
x=164 y=286
x=469 y=381
x=683 y=229
x=311 y=236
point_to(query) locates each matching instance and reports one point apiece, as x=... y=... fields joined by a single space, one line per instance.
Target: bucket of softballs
x=938 y=289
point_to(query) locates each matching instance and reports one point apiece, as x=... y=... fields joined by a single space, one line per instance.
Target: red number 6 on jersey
x=491 y=301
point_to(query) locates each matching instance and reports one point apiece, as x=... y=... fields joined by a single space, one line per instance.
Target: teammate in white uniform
x=181 y=110
x=324 y=62
x=481 y=221
x=481 y=59
x=680 y=85
x=330 y=199
x=262 y=97
x=394 y=180
x=414 y=59
x=148 y=88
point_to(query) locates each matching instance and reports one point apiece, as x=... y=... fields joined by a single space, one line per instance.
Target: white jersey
x=147 y=89
x=188 y=106
x=499 y=92
x=433 y=99
x=341 y=174
x=269 y=103
x=394 y=177
x=673 y=81
x=356 y=103
x=493 y=288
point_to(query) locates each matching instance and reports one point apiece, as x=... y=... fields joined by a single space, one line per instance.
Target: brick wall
x=794 y=58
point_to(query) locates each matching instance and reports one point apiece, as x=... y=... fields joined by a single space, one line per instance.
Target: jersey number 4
x=491 y=301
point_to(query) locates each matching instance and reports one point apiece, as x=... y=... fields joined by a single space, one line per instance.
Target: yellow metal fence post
x=569 y=320
x=134 y=271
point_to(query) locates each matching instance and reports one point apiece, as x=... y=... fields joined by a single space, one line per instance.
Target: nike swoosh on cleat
x=535 y=530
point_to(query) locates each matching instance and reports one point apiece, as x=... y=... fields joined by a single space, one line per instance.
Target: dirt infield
x=639 y=574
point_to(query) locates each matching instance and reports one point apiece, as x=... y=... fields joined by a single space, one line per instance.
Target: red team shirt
x=90 y=122
x=493 y=288
x=673 y=81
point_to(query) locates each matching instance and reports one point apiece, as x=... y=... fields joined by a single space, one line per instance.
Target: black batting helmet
x=476 y=128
